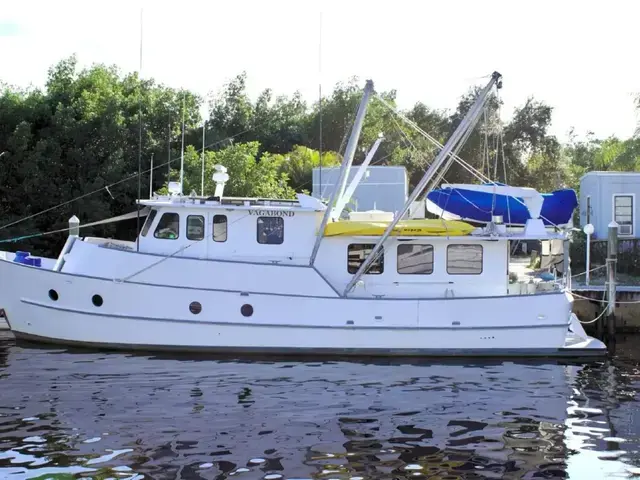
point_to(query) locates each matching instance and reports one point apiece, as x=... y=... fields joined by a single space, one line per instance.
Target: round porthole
x=246 y=310
x=53 y=295
x=97 y=300
x=195 y=307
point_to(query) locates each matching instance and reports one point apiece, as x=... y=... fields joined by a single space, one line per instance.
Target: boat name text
x=272 y=213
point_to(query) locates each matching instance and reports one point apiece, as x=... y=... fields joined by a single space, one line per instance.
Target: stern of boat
x=577 y=339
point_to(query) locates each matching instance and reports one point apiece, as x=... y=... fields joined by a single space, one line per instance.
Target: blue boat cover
x=473 y=205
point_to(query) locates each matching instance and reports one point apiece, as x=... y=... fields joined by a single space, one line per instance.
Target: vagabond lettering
x=272 y=213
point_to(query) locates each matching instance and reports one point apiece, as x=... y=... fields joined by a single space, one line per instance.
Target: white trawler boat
x=289 y=276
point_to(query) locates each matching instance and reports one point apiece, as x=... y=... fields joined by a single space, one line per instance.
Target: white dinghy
x=291 y=276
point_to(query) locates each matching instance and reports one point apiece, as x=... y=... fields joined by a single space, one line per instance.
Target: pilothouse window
x=168 y=226
x=270 y=230
x=464 y=259
x=358 y=252
x=195 y=227
x=147 y=225
x=415 y=259
x=219 y=228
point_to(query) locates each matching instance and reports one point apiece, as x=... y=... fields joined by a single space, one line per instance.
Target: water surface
x=70 y=413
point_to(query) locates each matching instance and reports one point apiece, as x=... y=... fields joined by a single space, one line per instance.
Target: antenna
x=139 y=137
x=203 y=114
x=320 y=107
x=151 y=179
x=182 y=148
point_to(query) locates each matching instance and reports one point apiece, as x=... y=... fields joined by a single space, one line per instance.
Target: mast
x=182 y=148
x=320 y=107
x=346 y=165
x=204 y=125
x=139 y=140
x=342 y=201
x=467 y=122
x=353 y=140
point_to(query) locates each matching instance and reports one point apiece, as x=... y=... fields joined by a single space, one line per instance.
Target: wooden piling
x=612 y=258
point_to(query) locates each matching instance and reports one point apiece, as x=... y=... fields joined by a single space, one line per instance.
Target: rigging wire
x=453 y=155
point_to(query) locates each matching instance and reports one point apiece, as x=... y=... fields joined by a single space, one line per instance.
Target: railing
x=628 y=256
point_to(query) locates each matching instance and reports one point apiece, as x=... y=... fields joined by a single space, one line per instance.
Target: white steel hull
x=156 y=317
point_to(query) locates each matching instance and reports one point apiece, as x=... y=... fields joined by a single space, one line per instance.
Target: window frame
x=379 y=260
x=433 y=259
x=149 y=221
x=213 y=228
x=632 y=196
x=204 y=228
x=155 y=232
x=270 y=218
x=466 y=245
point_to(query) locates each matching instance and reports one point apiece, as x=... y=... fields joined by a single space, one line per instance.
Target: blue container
x=21 y=257
x=25 y=259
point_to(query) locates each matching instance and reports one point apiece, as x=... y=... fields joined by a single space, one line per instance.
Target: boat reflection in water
x=176 y=416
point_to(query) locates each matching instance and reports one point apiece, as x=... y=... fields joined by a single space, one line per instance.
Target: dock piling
x=612 y=258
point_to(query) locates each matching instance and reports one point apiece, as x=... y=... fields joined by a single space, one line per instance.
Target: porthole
x=195 y=307
x=53 y=295
x=246 y=310
x=97 y=300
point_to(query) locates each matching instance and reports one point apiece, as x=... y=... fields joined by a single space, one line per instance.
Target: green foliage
x=249 y=174
x=298 y=165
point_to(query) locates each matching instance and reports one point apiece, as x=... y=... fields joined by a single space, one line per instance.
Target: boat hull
x=157 y=317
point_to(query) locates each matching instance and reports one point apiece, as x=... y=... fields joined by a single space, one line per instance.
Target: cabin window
x=195 y=227
x=147 y=224
x=168 y=226
x=623 y=213
x=219 y=228
x=415 y=259
x=464 y=259
x=356 y=255
x=270 y=230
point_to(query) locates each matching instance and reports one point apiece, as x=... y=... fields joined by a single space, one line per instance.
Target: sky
x=578 y=57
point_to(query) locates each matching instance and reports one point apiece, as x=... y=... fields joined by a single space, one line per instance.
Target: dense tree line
x=82 y=132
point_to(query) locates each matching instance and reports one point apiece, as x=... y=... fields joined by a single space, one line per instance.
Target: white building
x=607 y=196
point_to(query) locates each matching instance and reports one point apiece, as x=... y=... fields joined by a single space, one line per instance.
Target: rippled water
x=71 y=413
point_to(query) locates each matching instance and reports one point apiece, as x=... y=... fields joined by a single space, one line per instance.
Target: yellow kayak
x=409 y=228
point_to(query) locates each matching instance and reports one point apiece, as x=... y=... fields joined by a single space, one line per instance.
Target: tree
x=250 y=175
x=298 y=165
